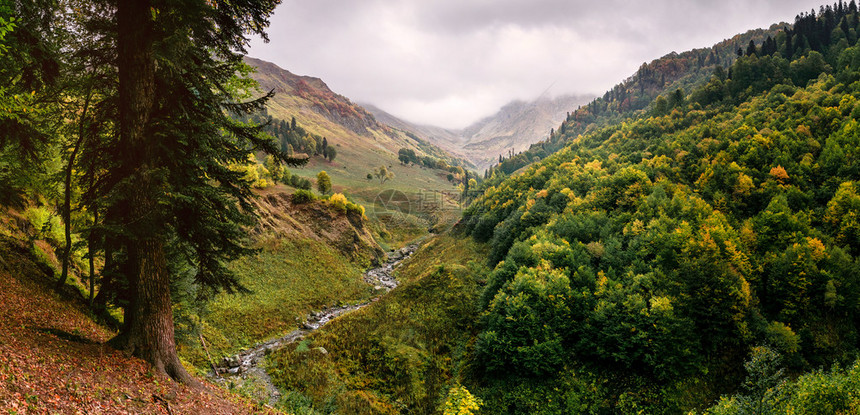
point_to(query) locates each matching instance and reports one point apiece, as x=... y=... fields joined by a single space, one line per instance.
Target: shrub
x=299 y=182
x=338 y=200
x=461 y=402
x=354 y=208
x=286 y=176
x=303 y=196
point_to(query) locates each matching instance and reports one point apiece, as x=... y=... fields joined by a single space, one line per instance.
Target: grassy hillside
x=363 y=145
x=311 y=255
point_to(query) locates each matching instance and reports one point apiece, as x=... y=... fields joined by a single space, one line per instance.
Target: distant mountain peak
x=514 y=127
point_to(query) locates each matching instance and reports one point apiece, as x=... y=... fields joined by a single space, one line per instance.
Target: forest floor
x=53 y=358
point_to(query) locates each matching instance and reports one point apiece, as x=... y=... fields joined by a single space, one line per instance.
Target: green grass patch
x=288 y=279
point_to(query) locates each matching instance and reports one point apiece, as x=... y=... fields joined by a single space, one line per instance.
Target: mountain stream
x=248 y=366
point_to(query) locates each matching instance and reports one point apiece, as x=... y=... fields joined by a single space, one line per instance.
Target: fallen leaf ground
x=53 y=359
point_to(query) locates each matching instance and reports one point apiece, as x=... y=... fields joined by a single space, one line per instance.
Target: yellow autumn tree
x=461 y=402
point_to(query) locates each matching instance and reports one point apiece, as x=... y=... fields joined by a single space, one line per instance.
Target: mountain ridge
x=335 y=107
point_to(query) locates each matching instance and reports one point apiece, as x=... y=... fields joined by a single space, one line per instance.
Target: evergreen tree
x=171 y=188
x=676 y=99
x=30 y=51
x=751 y=49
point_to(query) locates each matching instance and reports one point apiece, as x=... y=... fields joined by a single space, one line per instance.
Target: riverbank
x=246 y=372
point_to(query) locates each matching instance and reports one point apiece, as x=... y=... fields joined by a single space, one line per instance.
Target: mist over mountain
x=513 y=128
x=448 y=139
x=516 y=126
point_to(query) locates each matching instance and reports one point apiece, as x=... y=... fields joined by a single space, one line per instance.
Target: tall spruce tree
x=30 y=50
x=178 y=87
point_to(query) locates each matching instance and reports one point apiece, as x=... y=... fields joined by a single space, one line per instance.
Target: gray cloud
x=449 y=62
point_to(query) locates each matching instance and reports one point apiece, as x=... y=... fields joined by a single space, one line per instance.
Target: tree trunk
x=149 y=325
x=148 y=328
x=91 y=242
x=67 y=199
x=106 y=288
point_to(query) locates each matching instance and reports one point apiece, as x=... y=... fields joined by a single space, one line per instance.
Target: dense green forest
x=636 y=268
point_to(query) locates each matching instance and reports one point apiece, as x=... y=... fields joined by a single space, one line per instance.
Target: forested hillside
x=636 y=268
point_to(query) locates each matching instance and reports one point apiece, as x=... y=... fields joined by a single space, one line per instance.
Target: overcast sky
x=451 y=62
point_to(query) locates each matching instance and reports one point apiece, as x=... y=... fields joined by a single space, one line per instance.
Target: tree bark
x=148 y=327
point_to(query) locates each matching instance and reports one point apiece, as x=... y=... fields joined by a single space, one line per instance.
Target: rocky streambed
x=247 y=366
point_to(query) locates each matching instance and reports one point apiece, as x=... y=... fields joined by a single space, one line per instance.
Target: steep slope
x=362 y=141
x=674 y=73
x=312 y=254
x=309 y=99
x=53 y=358
x=363 y=145
x=345 y=231
x=652 y=257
